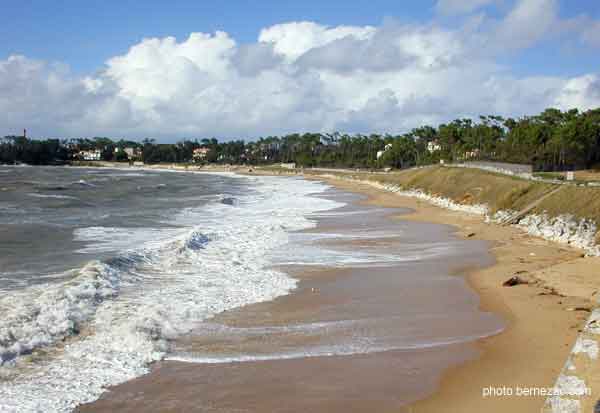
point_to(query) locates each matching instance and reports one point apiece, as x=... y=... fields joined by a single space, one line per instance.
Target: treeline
x=34 y=152
x=552 y=140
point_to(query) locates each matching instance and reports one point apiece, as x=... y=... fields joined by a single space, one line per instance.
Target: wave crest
x=42 y=316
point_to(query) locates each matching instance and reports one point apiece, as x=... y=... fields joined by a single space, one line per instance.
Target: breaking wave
x=334 y=338
x=62 y=344
x=35 y=195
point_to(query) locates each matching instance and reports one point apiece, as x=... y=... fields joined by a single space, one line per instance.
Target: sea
x=105 y=271
x=101 y=268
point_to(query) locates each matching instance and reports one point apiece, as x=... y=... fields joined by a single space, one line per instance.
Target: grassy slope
x=473 y=186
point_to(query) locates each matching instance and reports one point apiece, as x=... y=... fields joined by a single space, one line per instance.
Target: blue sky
x=516 y=57
x=86 y=33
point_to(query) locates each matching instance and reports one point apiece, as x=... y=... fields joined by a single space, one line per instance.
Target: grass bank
x=497 y=191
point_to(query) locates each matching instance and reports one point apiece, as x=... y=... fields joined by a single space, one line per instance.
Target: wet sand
x=540 y=328
x=413 y=377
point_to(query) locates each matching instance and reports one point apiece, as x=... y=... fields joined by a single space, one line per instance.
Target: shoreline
x=544 y=317
x=529 y=353
x=420 y=298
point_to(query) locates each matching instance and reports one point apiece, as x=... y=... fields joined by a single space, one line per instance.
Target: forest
x=553 y=140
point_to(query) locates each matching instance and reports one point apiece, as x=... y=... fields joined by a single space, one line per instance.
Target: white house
x=93 y=155
x=433 y=146
x=385 y=149
x=131 y=152
x=199 y=154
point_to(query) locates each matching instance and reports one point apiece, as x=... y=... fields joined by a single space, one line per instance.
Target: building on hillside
x=471 y=154
x=200 y=154
x=131 y=152
x=272 y=146
x=385 y=149
x=91 y=155
x=433 y=146
x=289 y=165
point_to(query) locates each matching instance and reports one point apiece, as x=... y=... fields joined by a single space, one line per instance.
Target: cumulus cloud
x=47 y=98
x=298 y=76
x=251 y=59
x=581 y=92
x=390 y=48
x=294 y=39
x=527 y=23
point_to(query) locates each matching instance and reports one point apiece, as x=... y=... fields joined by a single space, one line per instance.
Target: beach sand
x=541 y=330
x=530 y=352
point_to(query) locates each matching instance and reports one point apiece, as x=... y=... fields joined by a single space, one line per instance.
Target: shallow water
x=399 y=292
x=107 y=271
x=378 y=315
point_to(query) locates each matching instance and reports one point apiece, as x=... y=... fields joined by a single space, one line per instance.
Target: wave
x=197 y=241
x=228 y=201
x=355 y=346
x=119 y=315
x=319 y=255
x=100 y=239
x=83 y=182
x=42 y=316
x=350 y=213
x=35 y=195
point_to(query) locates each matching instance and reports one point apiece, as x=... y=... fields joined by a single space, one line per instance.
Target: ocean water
x=101 y=269
x=398 y=292
x=105 y=271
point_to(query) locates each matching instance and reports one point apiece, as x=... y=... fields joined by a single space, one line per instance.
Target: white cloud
x=296 y=38
x=299 y=76
x=390 y=48
x=527 y=23
x=47 y=98
x=581 y=92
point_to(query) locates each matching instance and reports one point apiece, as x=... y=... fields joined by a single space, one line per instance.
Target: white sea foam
x=349 y=235
x=56 y=196
x=127 y=174
x=358 y=345
x=322 y=255
x=107 y=239
x=350 y=213
x=130 y=307
x=41 y=316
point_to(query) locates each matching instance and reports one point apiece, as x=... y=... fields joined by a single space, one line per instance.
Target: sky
x=242 y=69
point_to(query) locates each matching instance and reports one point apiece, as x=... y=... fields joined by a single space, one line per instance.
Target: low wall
x=501 y=167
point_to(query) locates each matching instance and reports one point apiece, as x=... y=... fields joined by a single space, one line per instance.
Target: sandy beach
x=541 y=327
x=538 y=332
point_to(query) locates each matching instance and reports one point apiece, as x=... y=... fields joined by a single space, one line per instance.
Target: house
x=289 y=165
x=471 y=154
x=385 y=149
x=131 y=152
x=199 y=154
x=433 y=146
x=91 y=155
